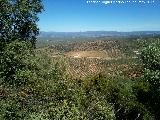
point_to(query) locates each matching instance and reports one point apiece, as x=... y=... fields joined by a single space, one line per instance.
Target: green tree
x=151 y=58
x=18 y=21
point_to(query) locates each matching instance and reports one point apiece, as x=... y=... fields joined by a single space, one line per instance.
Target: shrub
x=151 y=58
x=16 y=63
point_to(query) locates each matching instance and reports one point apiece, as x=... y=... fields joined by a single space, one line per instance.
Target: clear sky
x=78 y=15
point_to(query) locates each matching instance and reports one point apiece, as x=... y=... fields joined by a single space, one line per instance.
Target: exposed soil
x=89 y=54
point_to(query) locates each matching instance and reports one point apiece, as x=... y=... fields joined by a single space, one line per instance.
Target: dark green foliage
x=151 y=56
x=151 y=98
x=151 y=59
x=120 y=93
x=16 y=63
x=18 y=20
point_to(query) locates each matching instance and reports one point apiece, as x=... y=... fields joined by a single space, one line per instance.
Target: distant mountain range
x=96 y=34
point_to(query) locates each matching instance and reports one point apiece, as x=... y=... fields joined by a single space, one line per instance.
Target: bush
x=120 y=93
x=16 y=63
x=151 y=58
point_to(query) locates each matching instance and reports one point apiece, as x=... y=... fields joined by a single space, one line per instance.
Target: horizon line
x=103 y=31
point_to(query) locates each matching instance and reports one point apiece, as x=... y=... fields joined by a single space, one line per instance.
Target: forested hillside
x=52 y=83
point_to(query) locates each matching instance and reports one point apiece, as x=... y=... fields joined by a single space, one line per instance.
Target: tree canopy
x=18 y=20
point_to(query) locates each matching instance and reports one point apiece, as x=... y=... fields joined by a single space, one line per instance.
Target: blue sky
x=77 y=15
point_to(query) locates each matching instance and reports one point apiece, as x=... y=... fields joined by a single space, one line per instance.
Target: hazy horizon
x=104 y=31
